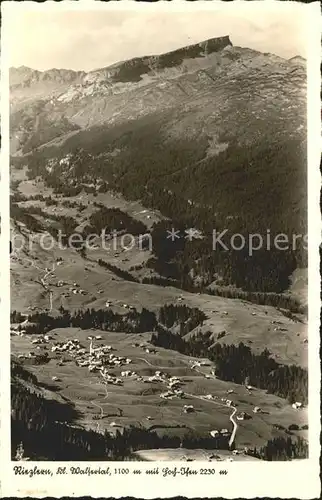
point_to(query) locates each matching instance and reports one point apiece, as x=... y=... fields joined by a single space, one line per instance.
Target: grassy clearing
x=132 y=403
x=242 y=321
x=136 y=400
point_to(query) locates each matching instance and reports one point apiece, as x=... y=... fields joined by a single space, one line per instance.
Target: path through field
x=231 y=418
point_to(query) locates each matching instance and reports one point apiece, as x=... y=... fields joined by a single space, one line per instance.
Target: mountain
x=165 y=149
x=182 y=80
x=212 y=135
x=27 y=77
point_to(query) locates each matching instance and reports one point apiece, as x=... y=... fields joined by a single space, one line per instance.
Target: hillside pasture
x=108 y=407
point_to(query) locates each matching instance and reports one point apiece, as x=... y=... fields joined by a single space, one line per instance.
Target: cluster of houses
x=297 y=405
x=16 y=331
x=74 y=289
x=39 y=342
x=196 y=364
x=98 y=359
x=215 y=433
x=101 y=359
x=210 y=396
x=71 y=346
x=145 y=348
x=228 y=402
x=173 y=383
x=243 y=416
x=172 y=394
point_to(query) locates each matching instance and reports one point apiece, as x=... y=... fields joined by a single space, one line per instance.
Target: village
x=103 y=361
x=119 y=370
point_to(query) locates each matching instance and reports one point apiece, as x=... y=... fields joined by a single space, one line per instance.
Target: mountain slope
x=211 y=135
x=183 y=80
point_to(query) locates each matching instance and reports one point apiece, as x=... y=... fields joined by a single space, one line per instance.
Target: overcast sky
x=93 y=39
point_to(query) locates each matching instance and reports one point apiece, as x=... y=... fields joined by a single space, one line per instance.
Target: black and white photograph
x=159 y=167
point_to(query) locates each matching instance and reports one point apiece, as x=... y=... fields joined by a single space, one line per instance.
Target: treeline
x=286 y=303
x=16 y=197
x=74 y=204
x=238 y=363
x=121 y=273
x=41 y=426
x=63 y=223
x=196 y=190
x=197 y=345
x=113 y=219
x=66 y=225
x=281 y=301
x=159 y=280
x=235 y=363
x=16 y=317
x=283 y=449
x=102 y=319
x=168 y=267
x=199 y=263
x=21 y=215
x=45 y=429
x=65 y=189
x=186 y=317
x=46 y=437
x=18 y=371
x=105 y=319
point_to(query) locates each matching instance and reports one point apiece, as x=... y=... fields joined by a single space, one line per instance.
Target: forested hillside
x=228 y=193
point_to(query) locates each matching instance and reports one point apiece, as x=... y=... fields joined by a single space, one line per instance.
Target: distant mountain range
x=49 y=104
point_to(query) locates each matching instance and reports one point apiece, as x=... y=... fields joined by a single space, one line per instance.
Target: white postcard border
x=298 y=479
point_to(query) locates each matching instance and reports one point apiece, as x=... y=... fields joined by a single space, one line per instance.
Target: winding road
x=42 y=281
x=231 y=417
x=235 y=426
x=100 y=407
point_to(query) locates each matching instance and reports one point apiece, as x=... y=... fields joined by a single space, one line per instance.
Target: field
x=258 y=326
x=138 y=402
x=79 y=282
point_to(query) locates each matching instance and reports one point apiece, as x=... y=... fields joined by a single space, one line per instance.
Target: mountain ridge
x=208 y=46
x=134 y=68
x=200 y=141
x=147 y=85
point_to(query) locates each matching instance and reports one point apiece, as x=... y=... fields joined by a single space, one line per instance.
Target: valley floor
x=136 y=401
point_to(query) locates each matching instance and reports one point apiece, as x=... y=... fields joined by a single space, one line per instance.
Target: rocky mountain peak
x=49 y=104
x=27 y=77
